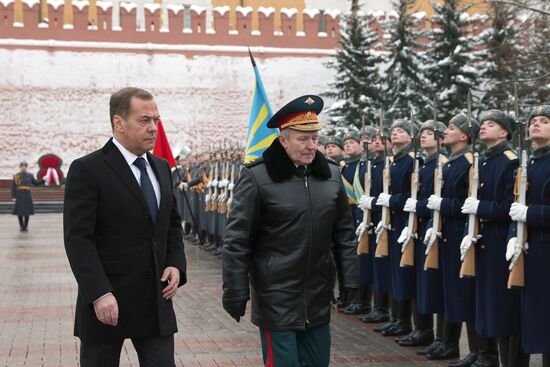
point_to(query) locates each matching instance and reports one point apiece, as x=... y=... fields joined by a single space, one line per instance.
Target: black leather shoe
x=466 y=361
x=445 y=351
x=417 y=338
x=386 y=326
x=402 y=337
x=430 y=348
x=375 y=317
x=357 y=308
x=400 y=328
x=486 y=360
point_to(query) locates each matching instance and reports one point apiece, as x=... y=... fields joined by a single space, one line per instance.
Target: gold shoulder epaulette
x=391 y=159
x=469 y=156
x=510 y=154
x=254 y=162
x=342 y=164
x=443 y=158
x=411 y=154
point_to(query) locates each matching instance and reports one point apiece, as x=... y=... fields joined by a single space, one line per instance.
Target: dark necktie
x=147 y=188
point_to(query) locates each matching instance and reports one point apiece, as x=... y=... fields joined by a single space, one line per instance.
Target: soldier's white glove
x=383 y=200
x=410 y=205
x=207 y=197
x=470 y=206
x=231 y=186
x=223 y=183
x=229 y=201
x=183 y=186
x=404 y=235
x=513 y=250
x=518 y=212
x=465 y=246
x=365 y=202
x=434 y=202
x=209 y=184
x=429 y=239
x=378 y=231
x=360 y=229
x=214 y=183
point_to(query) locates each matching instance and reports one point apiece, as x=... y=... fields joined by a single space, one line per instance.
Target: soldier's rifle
x=407 y=257
x=517 y=267
x=363 y=247
x=222 y=202
x=231 y=180
x=468 y=267
x=382 y=245
x=214 y=196
x=432 y=250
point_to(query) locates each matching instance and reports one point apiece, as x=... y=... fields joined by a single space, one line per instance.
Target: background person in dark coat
x=21 y=186
x=289 y=209
x=123 y=238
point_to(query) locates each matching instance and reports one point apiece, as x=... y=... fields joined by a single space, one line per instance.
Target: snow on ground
x=58 y=102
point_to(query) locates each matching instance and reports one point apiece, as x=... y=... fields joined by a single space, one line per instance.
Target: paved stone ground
x=38 y=292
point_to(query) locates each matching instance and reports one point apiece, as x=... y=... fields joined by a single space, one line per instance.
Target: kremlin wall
x=61 y=60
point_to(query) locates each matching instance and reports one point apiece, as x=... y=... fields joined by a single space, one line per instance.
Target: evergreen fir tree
x=451 y=59
x=407 y=88
x=357 y=87
x=535 y=82
x=502 y=57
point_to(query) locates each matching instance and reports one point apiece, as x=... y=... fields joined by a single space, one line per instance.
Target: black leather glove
x=235 y=308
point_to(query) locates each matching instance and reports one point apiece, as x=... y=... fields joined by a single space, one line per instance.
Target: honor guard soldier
x=289 y=210
x=381 y=275
x=497 y=307
x=402 y=278
x=429 y=288
x=21 y=186
x=353 y=150
x=535 y=214
x=334 y=149
x=362 y=302
x=459 y=293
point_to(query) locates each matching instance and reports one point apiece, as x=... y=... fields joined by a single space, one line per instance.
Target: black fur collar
x=280 y=167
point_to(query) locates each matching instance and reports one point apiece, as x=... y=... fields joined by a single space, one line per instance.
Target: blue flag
x=259 y=135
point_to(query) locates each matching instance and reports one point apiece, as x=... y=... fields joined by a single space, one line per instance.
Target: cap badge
x=309 y=101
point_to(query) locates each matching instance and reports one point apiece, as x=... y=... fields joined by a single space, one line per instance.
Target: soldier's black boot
x=423 y=333
x=392 y=320
x=21 y=224
x=487 y=352
x=380 y=311
x=473 y=345
x=511 y=353
x=362 y=304
x=440 y=321
x=448 y=349
x=404 y=313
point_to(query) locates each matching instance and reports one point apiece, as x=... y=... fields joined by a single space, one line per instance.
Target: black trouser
x=153 y=351
x=187 y=228
x=511 y=352
x=23 y=221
